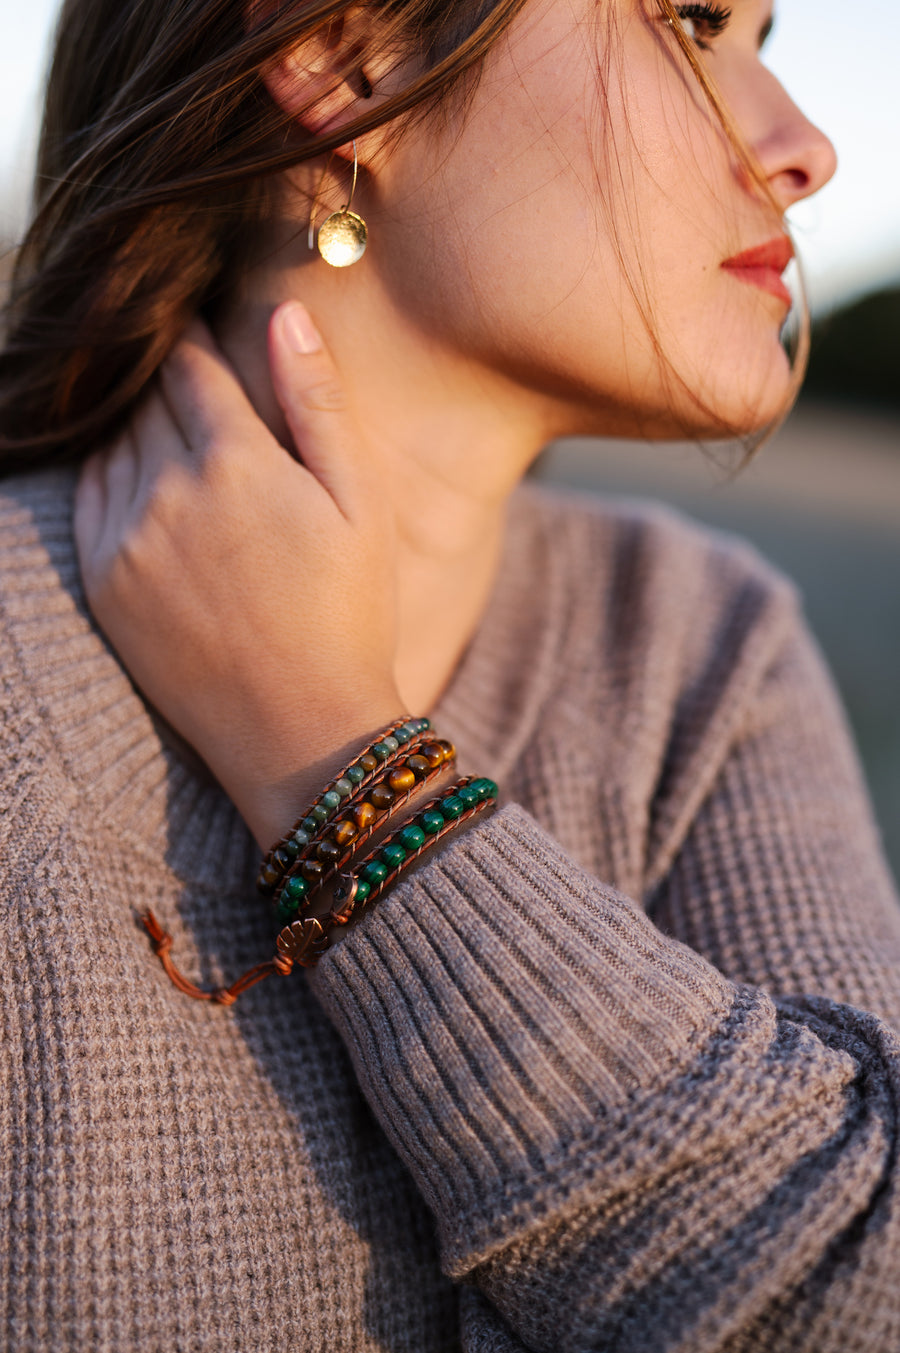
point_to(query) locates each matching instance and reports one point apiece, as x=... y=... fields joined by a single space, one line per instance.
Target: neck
x=455 y=441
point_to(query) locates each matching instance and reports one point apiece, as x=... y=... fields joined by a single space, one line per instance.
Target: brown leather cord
x=162 y=943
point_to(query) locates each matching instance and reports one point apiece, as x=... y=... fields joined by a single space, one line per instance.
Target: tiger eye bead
x=446 y=747
x=401 y=778
x=344 y=832
x=418 y=765
x=281 y=859
x=381 y=796
x=433 y=754
x=328 y=852
x=312 y=870
x=364 y=814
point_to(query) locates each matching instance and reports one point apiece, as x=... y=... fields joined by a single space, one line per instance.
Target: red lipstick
x=762 y=266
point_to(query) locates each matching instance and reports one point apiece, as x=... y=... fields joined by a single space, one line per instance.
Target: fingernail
x=299 y=329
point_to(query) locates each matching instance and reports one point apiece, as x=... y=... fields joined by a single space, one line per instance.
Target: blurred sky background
x=823 y=499
x=840 y=59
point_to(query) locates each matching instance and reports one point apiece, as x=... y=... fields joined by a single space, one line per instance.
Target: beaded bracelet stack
x=368 y=797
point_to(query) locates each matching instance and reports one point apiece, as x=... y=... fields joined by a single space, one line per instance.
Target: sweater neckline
x=144 y=784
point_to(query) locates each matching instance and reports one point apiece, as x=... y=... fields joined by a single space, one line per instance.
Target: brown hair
x=158 y=153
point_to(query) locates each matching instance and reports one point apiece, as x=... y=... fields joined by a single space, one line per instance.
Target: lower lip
x=767 y=279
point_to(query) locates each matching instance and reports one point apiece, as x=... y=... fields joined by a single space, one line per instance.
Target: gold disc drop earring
x=342 y=235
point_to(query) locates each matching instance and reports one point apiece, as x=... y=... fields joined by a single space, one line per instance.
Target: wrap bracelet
x=318 y=861
x=397 y=739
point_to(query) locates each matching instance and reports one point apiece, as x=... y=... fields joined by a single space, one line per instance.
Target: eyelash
x=711 y=18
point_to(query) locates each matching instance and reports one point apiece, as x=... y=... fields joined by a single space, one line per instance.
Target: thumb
x=313 y=400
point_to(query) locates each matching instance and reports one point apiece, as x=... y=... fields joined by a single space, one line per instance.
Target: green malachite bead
x=286 y=911
x=356 y=773
x=294 y=888
x=331 y=799
x=432 y=821
x=301 y=837
x=411 y=837
x=381 y=750
x=452 y=806
x=493 y=789
x=319 y=813
x=362 y=890
x=469 y=795
x=310 y=825
x=343 y=786
x=375 y=872
x=393 y=855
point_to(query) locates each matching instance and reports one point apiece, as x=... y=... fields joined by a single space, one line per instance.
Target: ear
x=330 y=78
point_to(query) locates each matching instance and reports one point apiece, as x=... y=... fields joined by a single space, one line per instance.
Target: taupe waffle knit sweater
x=619 y=1070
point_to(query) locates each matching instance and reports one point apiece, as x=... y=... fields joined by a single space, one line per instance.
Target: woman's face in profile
x=574 y=220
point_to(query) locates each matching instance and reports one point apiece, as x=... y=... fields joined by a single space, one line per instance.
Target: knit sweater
x=618 y=1069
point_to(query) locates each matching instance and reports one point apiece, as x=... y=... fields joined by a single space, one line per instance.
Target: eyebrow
x=766 y=30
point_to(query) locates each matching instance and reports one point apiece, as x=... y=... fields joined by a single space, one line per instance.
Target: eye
x=702 y=23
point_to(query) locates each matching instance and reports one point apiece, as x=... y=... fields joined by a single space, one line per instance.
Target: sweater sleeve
x=628 y=1141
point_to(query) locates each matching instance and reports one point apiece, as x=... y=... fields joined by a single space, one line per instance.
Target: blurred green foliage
x=854 y=354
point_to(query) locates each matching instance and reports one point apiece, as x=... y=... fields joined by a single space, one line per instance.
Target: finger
x=312 y=397
x=201 y=390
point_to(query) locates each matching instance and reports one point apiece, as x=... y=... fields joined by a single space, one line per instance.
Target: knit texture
x=618 y=1069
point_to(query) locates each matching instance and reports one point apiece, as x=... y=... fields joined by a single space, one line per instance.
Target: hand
x=252 y=598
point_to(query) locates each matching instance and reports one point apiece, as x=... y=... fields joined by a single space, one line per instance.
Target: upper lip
x=775 y=254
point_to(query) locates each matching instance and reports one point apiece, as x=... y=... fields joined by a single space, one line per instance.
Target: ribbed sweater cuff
x=499 y=1006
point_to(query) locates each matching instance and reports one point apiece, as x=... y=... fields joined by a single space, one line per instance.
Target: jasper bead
x=431 y=821
x=403 y=733
x=312 y=870
x=300 y=838
x=344 y=832
x=411 y=837
x=391 y=743
x=310 y=826
x=393 y=855
x=328 y=852
x=381 y=796
x=331 y=799
x=356 y=773
x=343 y=786
x=381 y=750
x=418 y=765
x=402 y=778
x=375 y=872
x=319 y=813
x=452 y=806
x=364 y=814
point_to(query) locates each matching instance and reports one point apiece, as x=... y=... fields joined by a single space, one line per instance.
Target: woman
x=614 y=1068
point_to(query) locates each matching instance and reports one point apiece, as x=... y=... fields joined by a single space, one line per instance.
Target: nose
x=797 y=158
